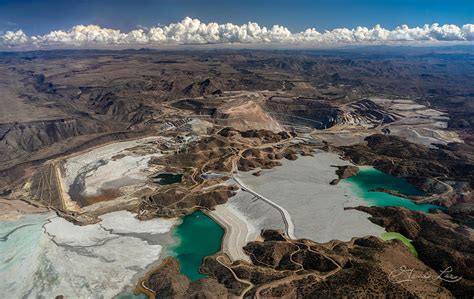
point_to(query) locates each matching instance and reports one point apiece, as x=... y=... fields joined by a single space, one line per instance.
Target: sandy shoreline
x=237 y=231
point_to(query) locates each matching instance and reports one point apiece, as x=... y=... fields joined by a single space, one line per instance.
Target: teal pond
x=198 y=236
x=370 y=178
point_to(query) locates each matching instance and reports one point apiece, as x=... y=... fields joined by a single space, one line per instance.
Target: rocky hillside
x=442 y=244
x=285 y=268
x=435 y=170
x=19 y=139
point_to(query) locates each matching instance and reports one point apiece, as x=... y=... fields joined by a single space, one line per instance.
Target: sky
x=42 y=16
x=39 y=17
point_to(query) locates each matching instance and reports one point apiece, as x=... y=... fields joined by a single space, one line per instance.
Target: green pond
x=393 y=235
x=168 y=178
x=198 y=236
x=370 y=178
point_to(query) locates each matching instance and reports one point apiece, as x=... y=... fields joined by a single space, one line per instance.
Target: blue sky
x=42 y=16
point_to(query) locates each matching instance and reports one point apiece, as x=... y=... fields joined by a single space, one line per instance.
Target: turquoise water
x=21 y=252
x=130 y=295
x=198 y=236
x=19 y=242
x=370 y=178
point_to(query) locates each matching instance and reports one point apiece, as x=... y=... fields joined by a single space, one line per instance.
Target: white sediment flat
x=289 y=227
x=51 y=256
x=117 y=173
x=74 y=165
x=109 y=167
x=257 y=213
x=126 y=222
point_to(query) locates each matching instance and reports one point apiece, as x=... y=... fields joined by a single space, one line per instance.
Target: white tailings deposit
x=297 y=198
x=109 y=167
x=243 y=217
x=43 y=255
x=418 y=123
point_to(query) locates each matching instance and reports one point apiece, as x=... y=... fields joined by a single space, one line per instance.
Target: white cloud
x=192 y=31
x=13 y=38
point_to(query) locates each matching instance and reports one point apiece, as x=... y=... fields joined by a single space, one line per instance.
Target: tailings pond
x=43 y=255
x=369 y=179
x=198 y=236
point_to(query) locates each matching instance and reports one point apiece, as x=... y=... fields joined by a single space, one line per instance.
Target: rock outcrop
x=197 y=89
x=344 y=172
x=167 y=282
x=22 y=139
x=463 y=213
x=177 y=201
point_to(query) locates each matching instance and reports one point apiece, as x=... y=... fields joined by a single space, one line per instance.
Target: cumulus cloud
x=192 y=31
x=13 y=38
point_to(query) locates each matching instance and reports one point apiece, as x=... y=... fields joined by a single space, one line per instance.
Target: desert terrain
x=118 y=147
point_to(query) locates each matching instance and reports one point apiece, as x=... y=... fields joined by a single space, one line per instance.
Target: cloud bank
x=192 y=31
